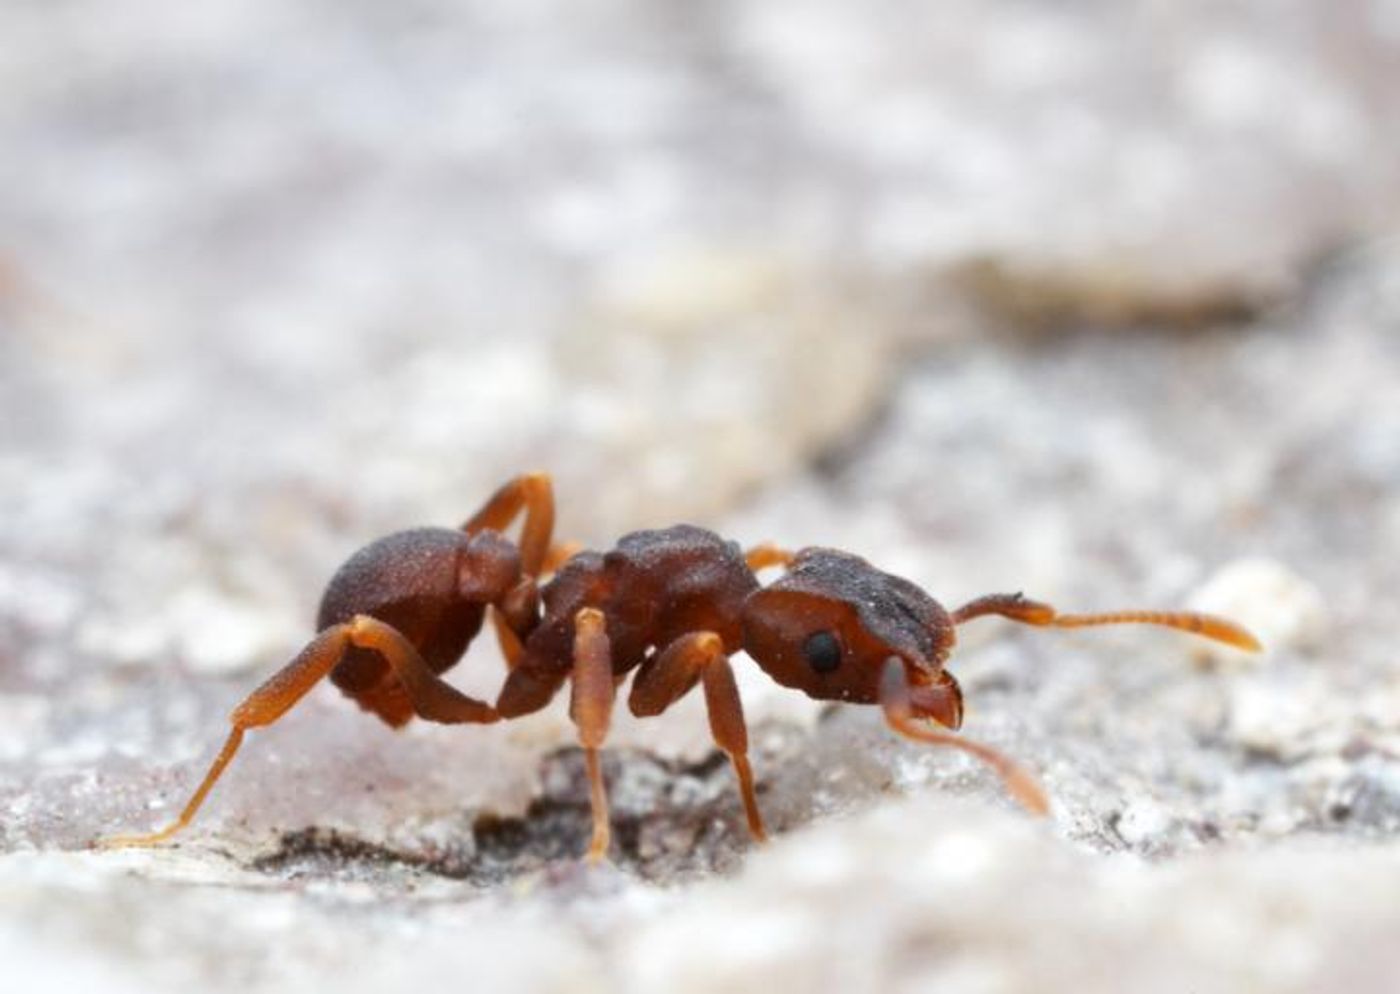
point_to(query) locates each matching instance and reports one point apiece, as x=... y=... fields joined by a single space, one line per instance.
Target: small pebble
x=1283 y=610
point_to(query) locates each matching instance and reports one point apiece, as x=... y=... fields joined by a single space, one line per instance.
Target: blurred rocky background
x=1096 y=300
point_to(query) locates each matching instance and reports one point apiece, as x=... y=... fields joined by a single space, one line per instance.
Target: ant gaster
x=672 y=604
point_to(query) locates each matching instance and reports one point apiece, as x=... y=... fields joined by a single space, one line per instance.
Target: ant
x=672 y=605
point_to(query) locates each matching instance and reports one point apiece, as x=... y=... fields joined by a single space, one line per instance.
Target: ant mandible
x=672 y=604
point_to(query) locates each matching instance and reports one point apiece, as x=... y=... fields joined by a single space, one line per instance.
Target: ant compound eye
x=822 y=651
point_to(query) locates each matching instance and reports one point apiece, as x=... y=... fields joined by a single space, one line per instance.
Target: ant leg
x=560 y=553
x=513 y=615
x=1018 y=608
x=897 y=700
x=767 y=554
x=672 y=673
x=517 y=611
x=590 y=706
x=511 y=646
x=535 y=493
x=431 y=698
x=262 y=707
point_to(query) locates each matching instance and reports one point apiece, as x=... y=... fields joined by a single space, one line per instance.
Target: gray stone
x=278 y=279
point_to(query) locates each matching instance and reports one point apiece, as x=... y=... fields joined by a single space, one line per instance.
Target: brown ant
x=672 y=604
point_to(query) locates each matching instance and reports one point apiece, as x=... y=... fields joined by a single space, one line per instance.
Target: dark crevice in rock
x=1051 y=301
x=322 y=852
x=831 y=461
x=670 y=822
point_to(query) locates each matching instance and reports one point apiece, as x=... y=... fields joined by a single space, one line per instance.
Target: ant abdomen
x=412 y=581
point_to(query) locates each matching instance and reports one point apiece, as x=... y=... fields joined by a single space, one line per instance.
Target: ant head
x=828 y=626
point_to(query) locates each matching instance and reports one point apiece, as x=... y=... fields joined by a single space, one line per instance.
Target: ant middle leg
x=432 y=699
x=699 y=657
x=897 y=699
x=1028 y=612
x=590 y=707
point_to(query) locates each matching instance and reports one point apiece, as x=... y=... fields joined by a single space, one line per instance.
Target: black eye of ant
x=822 y=651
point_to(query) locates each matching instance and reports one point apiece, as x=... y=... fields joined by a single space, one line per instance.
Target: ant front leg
x=432 y=699
x=897 y=698
x=672 y=673
x=590 y=707
x=1028 y=612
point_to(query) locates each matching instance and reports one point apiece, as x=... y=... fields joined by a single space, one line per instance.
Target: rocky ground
x=1098 y=302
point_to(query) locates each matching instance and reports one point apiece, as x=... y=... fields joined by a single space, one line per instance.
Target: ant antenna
x=1028 y=612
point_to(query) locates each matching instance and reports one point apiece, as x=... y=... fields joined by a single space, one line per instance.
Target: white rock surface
x=1216 y=829
x=279 y=277
x=1282 y=609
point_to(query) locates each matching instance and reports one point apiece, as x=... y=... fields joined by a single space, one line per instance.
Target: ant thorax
x=654 y=587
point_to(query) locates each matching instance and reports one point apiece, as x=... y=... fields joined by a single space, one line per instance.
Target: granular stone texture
x=1099 y=302
x=1214 y=828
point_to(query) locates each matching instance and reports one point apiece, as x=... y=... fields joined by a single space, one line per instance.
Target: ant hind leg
x=432 y=700
x=534 y=493
x=512 y=648
x=560 y=553
x=767 y=554
x=262 y=707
